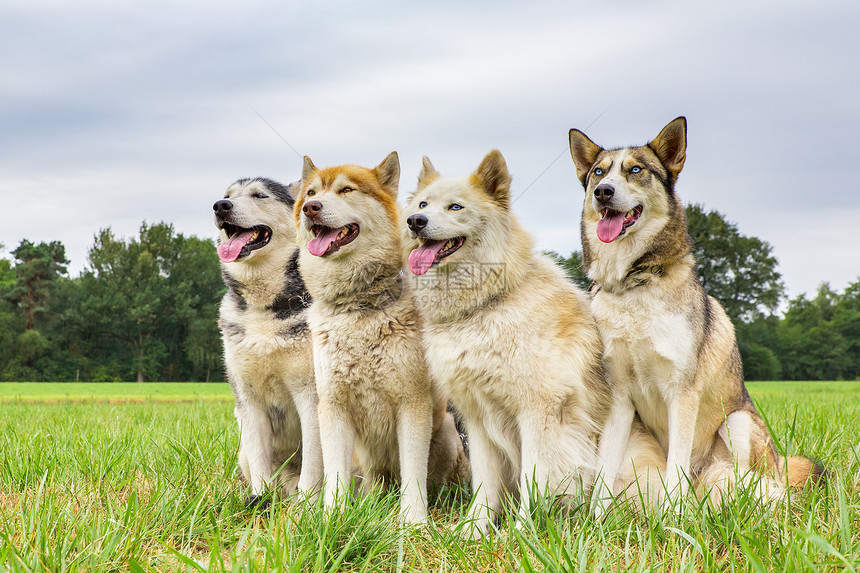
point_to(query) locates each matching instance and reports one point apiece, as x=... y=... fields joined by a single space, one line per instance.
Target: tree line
x=146 y=309
x=816 y=338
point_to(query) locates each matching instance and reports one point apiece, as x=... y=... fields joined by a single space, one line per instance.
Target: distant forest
x=146 y=309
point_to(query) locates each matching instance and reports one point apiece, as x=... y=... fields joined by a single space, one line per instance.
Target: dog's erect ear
x=428 y=173
x=583 y=151
x=294 y=189
x=308 y=169
x=492 y=176
x=671 y=146
x=388 y=173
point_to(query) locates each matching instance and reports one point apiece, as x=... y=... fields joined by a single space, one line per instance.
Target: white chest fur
x=649 y=347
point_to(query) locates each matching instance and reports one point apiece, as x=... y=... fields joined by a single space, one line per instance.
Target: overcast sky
x=114 y=112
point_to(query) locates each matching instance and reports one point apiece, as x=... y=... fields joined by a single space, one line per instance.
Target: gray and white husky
x=670 y=350
x=267 y=344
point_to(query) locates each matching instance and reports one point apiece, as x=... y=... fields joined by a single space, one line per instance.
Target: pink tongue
x=422 y=258
x=609 y=227
x=229 y=250
x=319 y=245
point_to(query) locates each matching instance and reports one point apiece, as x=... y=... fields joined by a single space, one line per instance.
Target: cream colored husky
x=510 y=339
x=670 y=349
x=375 y=394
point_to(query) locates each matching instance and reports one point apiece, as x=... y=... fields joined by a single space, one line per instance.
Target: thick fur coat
x=670 y=350
x=267 y=343
x=376 y=397
x=509 y=337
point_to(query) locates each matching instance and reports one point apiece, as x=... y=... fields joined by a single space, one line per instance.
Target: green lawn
x=140 y=477
x=49 y=392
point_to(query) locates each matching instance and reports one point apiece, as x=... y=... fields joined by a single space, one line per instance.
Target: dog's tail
x=719 y=481
x=747 y=438
x=797 y=470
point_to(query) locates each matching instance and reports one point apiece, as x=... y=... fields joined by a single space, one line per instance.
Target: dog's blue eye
x=422 y=204
x=636 y=169
x=598 y=171
x=311 y=192
x=455 y=207
x=260 y=196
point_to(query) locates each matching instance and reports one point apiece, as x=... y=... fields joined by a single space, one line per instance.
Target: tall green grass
x=94 y=486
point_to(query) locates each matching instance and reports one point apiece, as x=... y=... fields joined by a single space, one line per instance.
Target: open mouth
x=241 y=241
x=431 y=252
x=328 y=240
x=613 y=224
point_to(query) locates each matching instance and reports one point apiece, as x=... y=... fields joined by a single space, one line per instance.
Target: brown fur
x=669 y=346
x=376 y=397
x=519 y=357
x=373 y=182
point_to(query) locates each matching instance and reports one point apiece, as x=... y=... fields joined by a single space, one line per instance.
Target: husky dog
x=670 y=349
x=375 y=394
x=267 y=344
x=509 y=338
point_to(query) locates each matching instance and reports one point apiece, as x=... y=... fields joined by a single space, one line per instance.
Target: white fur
x=519 y=357
x=376 y=398
x=270 y=370
x=736 y=433
x=670 y=351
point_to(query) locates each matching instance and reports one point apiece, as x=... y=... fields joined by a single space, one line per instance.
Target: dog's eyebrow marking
x=618 y=161
x=342 y=180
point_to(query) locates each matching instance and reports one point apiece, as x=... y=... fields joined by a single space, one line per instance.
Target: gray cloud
x=114 y=113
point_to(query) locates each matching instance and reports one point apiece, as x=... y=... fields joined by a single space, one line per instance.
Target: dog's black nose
x=222 y=206
x=312 y=208
x=604 y=192
x=416 y=222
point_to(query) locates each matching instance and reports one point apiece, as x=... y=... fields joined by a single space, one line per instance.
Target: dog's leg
x=486 y=462
x=535 y=430
x=414 y=429
x=337 y=438
x=312 y=460
x=610 y=453
x=683 y=410
x=243 y=457
x=256 y=442
x=736 y=432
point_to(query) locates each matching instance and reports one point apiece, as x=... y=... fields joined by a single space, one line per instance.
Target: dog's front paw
x=413 y=515
x=473 y=528
x=601 y=501
x=258 y=501
x=669 y=502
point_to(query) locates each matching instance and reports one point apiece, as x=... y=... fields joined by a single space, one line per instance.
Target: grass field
x=140 y=477
x=51 y=392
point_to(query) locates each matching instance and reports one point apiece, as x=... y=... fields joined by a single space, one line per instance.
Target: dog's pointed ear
x=492 y=176
x=388 y=173
x=583 y=151
x=294 y=189
x=308 y=169
x=428 y=173
x=671 y=146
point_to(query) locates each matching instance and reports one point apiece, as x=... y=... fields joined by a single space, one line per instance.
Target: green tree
x=737 y=270
x=758 y=342
x=572 y=265
x=811 y=344
x=7 y=274
x=37 y=269
x=29 y=293
x=200 y=339
x=846 y=320
x=9 y=319
x=148 y=295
